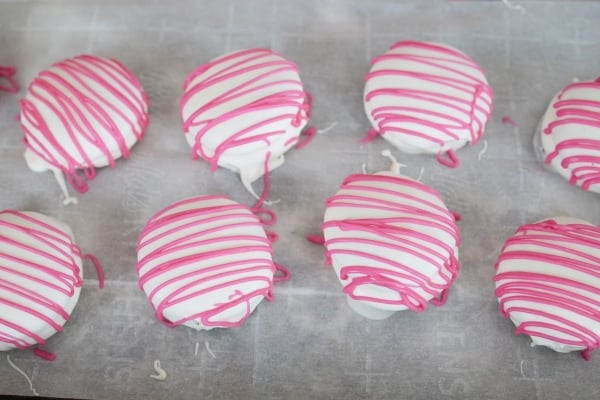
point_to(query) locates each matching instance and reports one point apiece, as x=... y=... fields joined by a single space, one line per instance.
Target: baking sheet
x=307 y=343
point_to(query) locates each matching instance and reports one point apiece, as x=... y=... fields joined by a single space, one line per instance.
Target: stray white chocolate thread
x=575 y=79
x=421 y=174
x=196 y=349
x=161 y=374
x=325 y=130
x=516 y=7
x=395 y=168
x=483 y=150
x=522 y=373
x=364 y=168
x=60 y=178
x=19 y=370
x=209 y=350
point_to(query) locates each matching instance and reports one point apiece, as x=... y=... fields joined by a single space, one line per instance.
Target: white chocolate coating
x=205 y=262
x=570 y=134
x=244 y=109
x=427 y=98
x=24 y=245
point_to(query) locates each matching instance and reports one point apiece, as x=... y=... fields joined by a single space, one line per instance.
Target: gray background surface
x=307 y=343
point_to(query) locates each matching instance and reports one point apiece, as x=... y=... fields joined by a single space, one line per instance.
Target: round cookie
x=205 y=262
x=548 y=283
x=427 y=98
x=243 y=111
x=392 y=243
x=40 y=278
x=82 y=113
x=569 y=134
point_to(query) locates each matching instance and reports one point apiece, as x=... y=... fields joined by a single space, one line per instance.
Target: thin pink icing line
x=387 y=113
x=391 y=228
x=97 y=267
x=575 y=331
x=423 y=281
x=309 y=133
x=272 y=236
x=393 y=181
x=99 y=114
x=283 y=98
x=258 y=206
x=316 y=239
x=232 y=94
x=198 y=223
x=441 y=299
x=167 y=213
x=46 y=355
x=184 y=262
x=283 y=275
x=205 y=67
x=214 y=273
x=369 y=137
x=244 y=88
x=541 y=240
x=28 y=310
x=18 y=342
x=78 y=126
x=245 y=64
x=557 y=246
x=33 y=296
x=229 y=141
x=509 y=121
x=260 y=212
x=408 y=297
x=450 y=160
x=388 y=230
x=534 y=291
x=195 y=226
x=8 y=74
x=397 y=233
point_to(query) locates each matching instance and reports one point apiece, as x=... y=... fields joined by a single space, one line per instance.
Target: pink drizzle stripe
x=70 y=91
x=538 y=293
x=467 y=115
x=271 y=78
x=57 y=270
x=7 y=73
x=402 y=231
x=575 y=108
x=224 y=238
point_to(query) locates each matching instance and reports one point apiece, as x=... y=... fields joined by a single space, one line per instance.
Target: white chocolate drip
x=19 y=370
x=161 y=374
